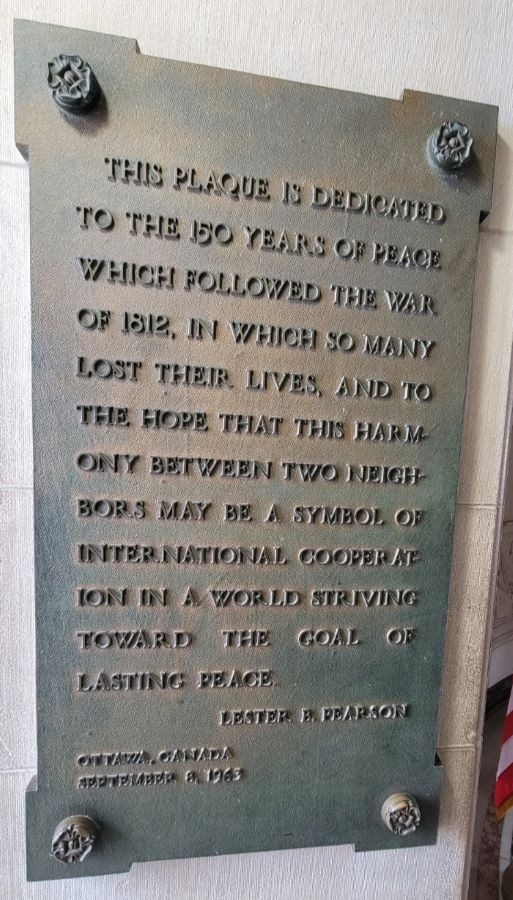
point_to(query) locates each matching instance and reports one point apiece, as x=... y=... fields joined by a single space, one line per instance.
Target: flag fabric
x=504 y=781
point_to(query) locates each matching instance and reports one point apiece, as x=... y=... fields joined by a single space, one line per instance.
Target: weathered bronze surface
x=251 y=317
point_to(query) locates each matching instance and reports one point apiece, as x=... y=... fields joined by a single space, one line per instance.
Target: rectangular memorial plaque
x=251 y=306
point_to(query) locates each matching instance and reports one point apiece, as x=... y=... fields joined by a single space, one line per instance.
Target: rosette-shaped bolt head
x=72 y=83
x=74 y=839
x=451 y=145
x=401 y=814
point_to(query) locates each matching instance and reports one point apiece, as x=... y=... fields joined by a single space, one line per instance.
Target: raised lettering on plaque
x=251 y=307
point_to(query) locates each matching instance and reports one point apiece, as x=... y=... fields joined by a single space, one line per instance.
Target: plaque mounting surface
x=243 y=532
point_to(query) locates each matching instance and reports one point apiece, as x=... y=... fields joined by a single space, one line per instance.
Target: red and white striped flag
x=504 y=782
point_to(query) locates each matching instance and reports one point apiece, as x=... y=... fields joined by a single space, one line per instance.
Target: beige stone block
x=15 y=404
x=508 y=490
x=17 y=651
x=487 y=412
x=501 y=215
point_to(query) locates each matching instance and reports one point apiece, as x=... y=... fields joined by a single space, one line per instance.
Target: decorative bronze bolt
x=72 y=83
x=401 y=814
x=74 y=839
x=451 y=145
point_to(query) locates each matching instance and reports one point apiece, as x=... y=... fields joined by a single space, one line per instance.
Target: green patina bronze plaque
x=251 y=309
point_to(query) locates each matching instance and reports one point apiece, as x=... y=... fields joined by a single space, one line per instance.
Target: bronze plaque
x=251 y=307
